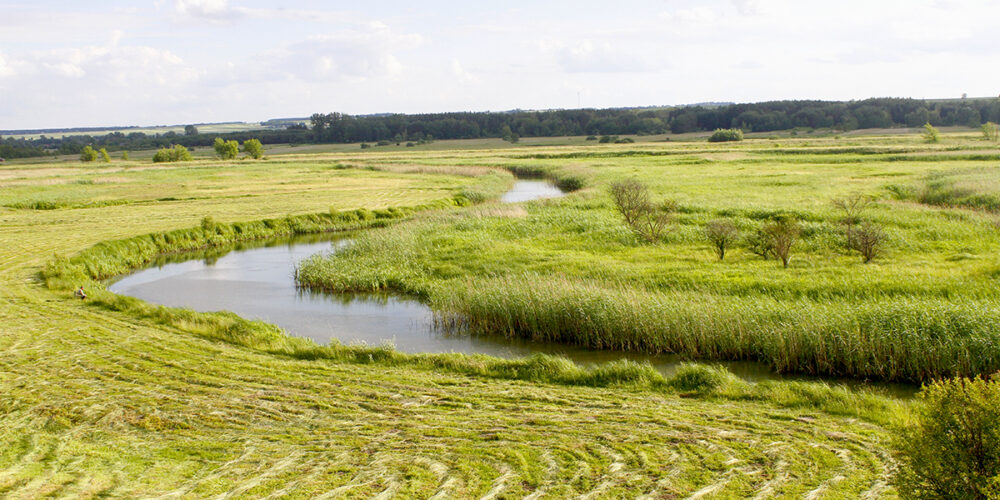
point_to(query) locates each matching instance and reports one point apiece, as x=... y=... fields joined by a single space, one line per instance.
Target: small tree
x=105 y=157
x=931 y=134
x=125 y=155
x=253 y=148
x=88 y=154
x=951 y=449
x=722 y=234
x=631 y=199
x=853 y=207
x=506 y=133
x=759 y=244
x=869 y=239
x=781 y=236
x=190 y=130
x=991 y=132
x=227 y=150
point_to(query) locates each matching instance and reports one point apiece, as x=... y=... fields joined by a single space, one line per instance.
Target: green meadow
x=569 y=270
x=115 y=397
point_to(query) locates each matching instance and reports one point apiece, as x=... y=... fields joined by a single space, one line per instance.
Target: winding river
x=256 y=280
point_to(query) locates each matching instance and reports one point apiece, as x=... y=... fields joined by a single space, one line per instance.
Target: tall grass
x=901 y=340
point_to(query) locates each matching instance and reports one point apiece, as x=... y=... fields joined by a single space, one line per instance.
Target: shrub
x=952 y=448
x=88 y=154
x=591 y=138
x=176 y=153
x=869 y=239
x=722 y=234
x=365 y=145
x=631 y=199
x=991 y=132
x=253 y=148
x=383 y=142
x=105 y=157
x=409 y=144
x=607 y=138
x=759 y=244
x=227 y=150
x=571 y=182
x=125 y=155
x=726 y=135
x=931 y=134
x=781 y=236
x=853 y=207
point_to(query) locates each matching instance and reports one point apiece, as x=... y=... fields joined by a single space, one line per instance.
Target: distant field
x=213 y=128
x=118 y=398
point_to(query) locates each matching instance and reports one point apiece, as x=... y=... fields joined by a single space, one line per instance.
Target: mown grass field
x=104 y=402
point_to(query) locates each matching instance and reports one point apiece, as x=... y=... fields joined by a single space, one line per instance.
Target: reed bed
x=910 y=340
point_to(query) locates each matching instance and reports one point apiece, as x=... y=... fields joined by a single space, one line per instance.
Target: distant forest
x=755 y=117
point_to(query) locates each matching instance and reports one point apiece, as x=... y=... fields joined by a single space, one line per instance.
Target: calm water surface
x=256 y=281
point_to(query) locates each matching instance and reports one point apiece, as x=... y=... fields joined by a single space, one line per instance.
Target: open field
x=116 y=398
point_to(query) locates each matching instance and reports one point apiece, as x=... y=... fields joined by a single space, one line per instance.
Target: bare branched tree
x=869 y=239
x=631 y=199
x=722 y=234
x=653 y=224
x=782 y=235
x=853 y=207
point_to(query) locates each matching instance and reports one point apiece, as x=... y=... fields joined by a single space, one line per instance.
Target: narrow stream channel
x=256 y=281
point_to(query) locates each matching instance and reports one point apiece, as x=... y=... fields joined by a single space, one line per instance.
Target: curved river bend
x=256 y=281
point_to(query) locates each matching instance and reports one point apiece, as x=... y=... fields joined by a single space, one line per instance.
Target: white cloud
x=213 y=10
x=461 y=74
x=365 y=52
x=587 y=57
x=8 y=67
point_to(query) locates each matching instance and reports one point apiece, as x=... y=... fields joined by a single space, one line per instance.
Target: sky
x=165 y=62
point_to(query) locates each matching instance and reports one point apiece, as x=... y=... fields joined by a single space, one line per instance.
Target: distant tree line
x=754 y=117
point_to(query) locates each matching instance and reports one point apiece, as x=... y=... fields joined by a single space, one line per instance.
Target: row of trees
x=773 y=240
x=398 y=128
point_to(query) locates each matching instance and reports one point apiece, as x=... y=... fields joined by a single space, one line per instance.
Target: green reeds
x=898 y=339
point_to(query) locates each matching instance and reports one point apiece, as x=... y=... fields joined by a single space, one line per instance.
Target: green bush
x=88 y=154
x=952 y=448
x=253 y=148
x=176 y=153
x=226 y=150
x=931 y=134
x=726 y=135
